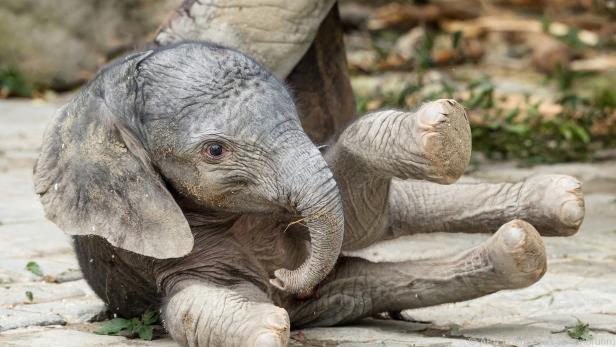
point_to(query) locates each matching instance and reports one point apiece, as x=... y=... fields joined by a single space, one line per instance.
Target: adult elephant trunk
x=309 y=187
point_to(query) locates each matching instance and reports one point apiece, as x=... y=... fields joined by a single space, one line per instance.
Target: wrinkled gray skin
x=235 y=249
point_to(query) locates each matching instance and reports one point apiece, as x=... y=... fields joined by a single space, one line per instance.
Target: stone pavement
x=580 y=282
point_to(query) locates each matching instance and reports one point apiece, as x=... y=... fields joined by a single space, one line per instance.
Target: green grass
x=34 y=268
x=13 y=83
x=142 y=327
x=526 y=136
x=581 y=331
x=588 y=103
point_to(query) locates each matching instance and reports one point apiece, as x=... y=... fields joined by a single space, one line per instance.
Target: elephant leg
x=202 y=314
x=432 y=143
x=514 y=257
x=321 y=85
x=554 y=204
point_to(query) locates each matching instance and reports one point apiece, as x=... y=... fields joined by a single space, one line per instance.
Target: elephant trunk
x=314 y=193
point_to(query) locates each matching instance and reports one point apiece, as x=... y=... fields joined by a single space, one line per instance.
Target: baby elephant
x=189 y=186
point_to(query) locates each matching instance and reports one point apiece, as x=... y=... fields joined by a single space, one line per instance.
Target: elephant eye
x=216 y=150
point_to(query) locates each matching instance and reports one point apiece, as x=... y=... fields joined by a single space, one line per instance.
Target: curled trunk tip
x=326 y=230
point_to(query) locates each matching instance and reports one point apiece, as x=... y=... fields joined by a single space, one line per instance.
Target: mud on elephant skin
x=188 y=183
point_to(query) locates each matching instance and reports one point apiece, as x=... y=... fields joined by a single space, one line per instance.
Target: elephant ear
x=94 y=177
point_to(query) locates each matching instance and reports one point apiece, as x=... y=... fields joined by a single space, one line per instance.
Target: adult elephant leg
x=554 y=204
x=277 y=33
x=321 y=84
x=432 y=143
x=514 y=257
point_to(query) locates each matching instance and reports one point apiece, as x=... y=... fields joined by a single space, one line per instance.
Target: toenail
x=570 y=184
x=572 y=213
x=274 y=321
x=267 y=340
x=513 y=236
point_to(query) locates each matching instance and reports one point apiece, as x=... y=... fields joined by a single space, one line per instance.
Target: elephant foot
x=203 y=314
x=432 y=143
x=273 y=330
x=517 y=254
x=554 y=204
x=444 y=135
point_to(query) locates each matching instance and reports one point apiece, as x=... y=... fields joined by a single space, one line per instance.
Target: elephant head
x=190 y=127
